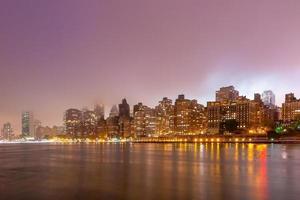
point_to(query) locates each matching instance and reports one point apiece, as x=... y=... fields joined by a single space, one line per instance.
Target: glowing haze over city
x=150 y=99
x=60 y=54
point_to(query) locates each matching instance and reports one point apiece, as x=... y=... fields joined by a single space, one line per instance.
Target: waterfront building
x=182 y=115
x=89 y=122
x=145 y=121
x=125 y=124
x=279 y=110
x=72 y=121
x=268 y=98
x=27 y=124
x=99 y=111
x=125 y=129
x=267 y=113
x=291 y=108
x=7 y=131
x=258 y=99
x=242 y=110
x=270 y=115
x=101 y=128
x=46 y=131
x=114 y=112
x=124 y=109
x=113 y=128
x=227 y=94
x=36 y=125
x=150 y=123
x=198 y=118
x=139 y=120
x=214 y=116
x=165 y=117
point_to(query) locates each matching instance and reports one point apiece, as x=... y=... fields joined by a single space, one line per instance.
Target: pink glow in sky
x=57 y=54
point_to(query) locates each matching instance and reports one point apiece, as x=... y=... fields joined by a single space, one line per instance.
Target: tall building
x=27 y=124
x=243 y=110
x=7 y=131
x=259 y=108
x=165 y=117
x=89 y=122
x=182 y=115
x=198 y=118
x=227 y=94
x=145 y=121
x=289 y=98
x=214 y=116
x=125 y=119
x=113 y=128
x=36 y=125
x=291 y=108
x=125 y=125
x=268 y=98
x=101 y=128
x=257 y=98
x=46 y=131
x=124 y=109
x=72 y=120
x=150 y=123
x=139 y=120
x=99 y=111
x=114 y=112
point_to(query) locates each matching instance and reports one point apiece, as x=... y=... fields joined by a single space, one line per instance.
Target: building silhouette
x=114 y=112
x=291 y=108
x=99 y=111
x=268 y=98
x=124 y=109
x=182 y=117
x=165 y=117
x=73 y=122
x=27 y=124
x=227 y=94
x=7 y=131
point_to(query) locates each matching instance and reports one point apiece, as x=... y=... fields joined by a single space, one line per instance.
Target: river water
x=149 y=171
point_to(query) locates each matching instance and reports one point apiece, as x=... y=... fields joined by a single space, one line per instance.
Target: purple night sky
x=57 y=54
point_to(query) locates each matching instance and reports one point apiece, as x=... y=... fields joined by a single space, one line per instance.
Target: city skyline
x=102 y=111
x=149 y=99
x=103 y=51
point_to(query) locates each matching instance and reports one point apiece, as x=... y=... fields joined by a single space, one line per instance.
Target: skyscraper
x=243 y=110
x=165 y=117
x=72 y=120
x=89 y=122
x=291 y=108
x=268 y=97
x=144 y=121
x=198 y=118
x=125 y=125
x=113 y=128
x=125 y=121
x=27 y=124
x=114 y=112
x=139 y=120
x=99 y=111
x=124 y=109
x=227 y=94
x=36 y=125
x=101 y=128
x=7 y=131
x=182 y=115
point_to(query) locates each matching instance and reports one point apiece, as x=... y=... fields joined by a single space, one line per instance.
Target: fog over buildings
x=103 y=51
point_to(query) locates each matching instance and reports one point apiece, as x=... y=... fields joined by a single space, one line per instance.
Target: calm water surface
x=149 y=171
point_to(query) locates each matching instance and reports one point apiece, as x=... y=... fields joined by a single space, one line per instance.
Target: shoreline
x=204 y=141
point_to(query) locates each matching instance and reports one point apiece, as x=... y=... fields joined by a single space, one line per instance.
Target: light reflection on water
x=149 y=171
